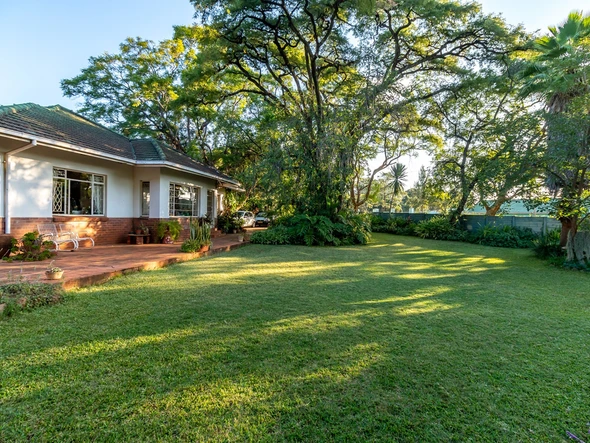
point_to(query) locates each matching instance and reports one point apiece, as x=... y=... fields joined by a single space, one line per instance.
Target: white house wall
x=31 y=181
x=148 y=174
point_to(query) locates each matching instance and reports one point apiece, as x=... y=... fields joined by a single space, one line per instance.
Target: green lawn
x=401 y=340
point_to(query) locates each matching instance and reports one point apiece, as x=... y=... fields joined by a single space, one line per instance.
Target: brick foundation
x=104 y=230
x=153 y=222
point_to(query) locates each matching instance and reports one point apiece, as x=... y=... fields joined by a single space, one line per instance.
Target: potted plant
x=168 y=231
x=199 y=238
x=54 y=272
x=205 y=237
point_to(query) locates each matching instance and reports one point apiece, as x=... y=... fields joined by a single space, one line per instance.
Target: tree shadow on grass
x=343 y=344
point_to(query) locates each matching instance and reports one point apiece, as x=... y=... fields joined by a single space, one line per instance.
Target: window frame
x=66 y=191
x=195 y=203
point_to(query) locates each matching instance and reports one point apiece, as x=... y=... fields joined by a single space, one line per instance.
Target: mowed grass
x=401 y=340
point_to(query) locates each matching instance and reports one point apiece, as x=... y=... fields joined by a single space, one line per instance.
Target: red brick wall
x=104 y=230
x=20 y=226
x=153 y=222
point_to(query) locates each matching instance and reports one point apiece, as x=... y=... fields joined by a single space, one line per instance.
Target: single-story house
x=60 y=167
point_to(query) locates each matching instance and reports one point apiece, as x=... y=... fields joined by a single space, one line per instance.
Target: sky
x=45 y=41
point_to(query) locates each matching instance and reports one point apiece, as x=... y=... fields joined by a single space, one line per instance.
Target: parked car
x=247 y=218
x=261 y=219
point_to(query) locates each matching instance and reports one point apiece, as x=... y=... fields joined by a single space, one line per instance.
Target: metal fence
x=476 y=222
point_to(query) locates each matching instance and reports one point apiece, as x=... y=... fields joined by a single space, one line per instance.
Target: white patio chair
x=71 y=232
x=48 y=232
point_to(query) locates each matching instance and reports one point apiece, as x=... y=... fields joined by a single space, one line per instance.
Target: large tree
x=135 y=91
x=337 y=73
x=560 y=72
x=493 y=143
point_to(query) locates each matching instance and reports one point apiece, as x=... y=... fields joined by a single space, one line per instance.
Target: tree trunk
x=461 y=206
x=493 y=210
x=567 y=224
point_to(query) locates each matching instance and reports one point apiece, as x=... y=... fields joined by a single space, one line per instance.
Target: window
x=145 y=199
x=210 y=199
x=184 y=200
x=77 y=193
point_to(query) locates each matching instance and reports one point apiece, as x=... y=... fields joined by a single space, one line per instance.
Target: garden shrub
x=168 y=227
x=229 y=222
x=24 y=295
x=401 y=226
x=191 y=245
x=31 y=247
x=393 y=225
x=378 y=224
x=439 y=228
x=354 y=229
x=505 y=237
x=316 y=230
x=277 y=235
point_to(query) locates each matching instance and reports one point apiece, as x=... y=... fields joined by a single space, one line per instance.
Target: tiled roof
x=62 y=125
x=59 y=124
x=154 y=150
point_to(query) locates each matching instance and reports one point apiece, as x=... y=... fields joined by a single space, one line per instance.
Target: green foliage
x=505 y=237
x=168 y=227
x=136 y=91
x=229 y=222
x=24 y=295
x=547 y=245
x=401 y=226
x=559 y=72
x=439 y=228
x=191 y=245
x=312 y=89
x=577 y=265
x=275 y=235
x=302 y=229
x=31 y=247
x=494 y=142
x=378 y=224
x=200 y=235
x=393 y=225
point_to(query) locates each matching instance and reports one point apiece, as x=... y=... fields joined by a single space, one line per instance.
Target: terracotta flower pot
x=204 y=248
x=54 y=275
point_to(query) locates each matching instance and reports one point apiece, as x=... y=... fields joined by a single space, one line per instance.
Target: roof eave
x=183 y=168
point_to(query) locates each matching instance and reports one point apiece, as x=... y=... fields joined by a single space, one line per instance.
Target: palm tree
x=560 y=71
x=396 y=177
x=554 y=71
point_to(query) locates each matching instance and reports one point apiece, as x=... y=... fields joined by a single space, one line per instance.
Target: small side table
x=138 y=239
